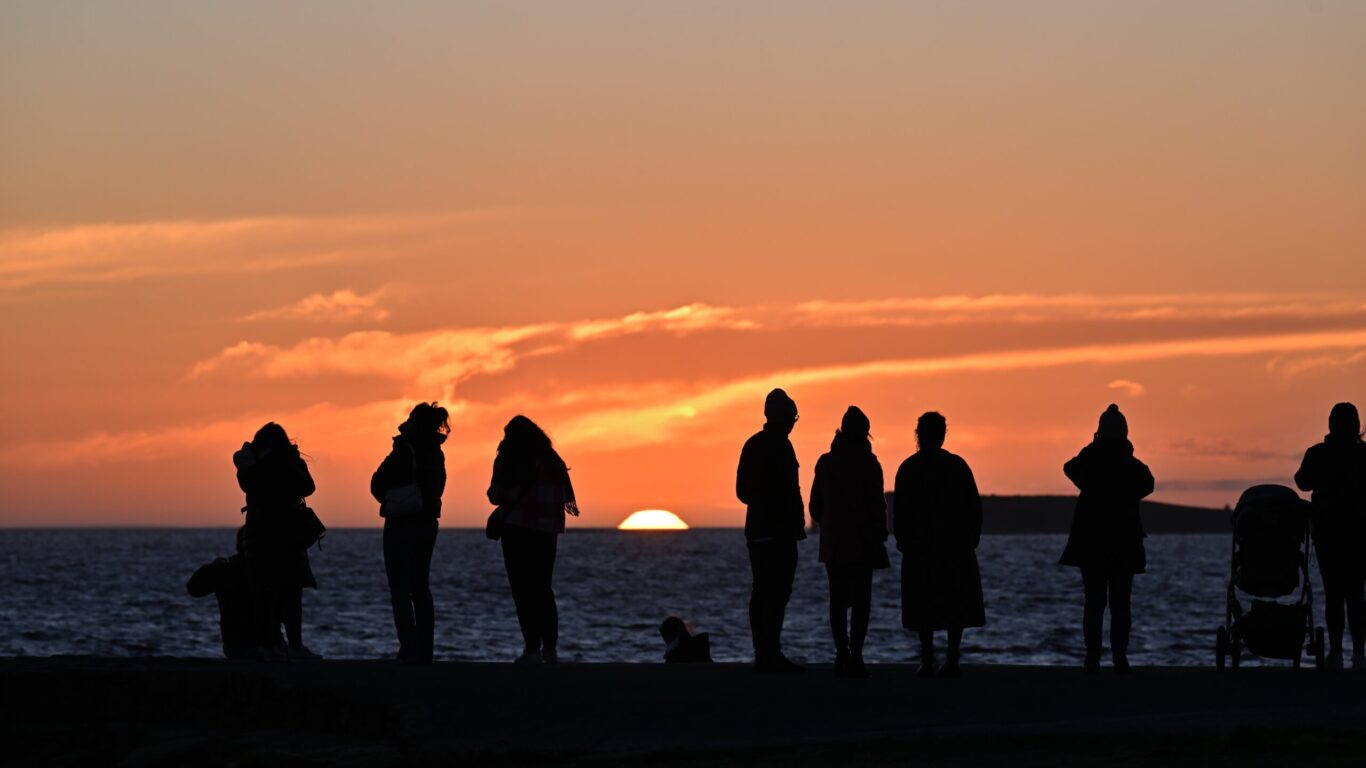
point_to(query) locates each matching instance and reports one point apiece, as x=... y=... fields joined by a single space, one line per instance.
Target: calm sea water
x=122 y=593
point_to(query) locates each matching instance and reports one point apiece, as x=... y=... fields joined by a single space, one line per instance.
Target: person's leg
x=838 y=610
x=1094 y=587
x=294 y=617
x=1334 y=598
x=550 y=612
x=1121 y=588
x=926 y=649
x=785 y=572
x=1355 y=588
x=760 y=571
x=424 y=614
x=955 y=649
x=397 y=568
x=861 y=608
x=515 y=561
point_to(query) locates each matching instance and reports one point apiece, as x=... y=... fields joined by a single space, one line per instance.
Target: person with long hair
x=275 y=479
x=1106 y=540
x=848 y=506
x=408 y=485
x=532 y=493
x=1335 y=472
x=937 y=517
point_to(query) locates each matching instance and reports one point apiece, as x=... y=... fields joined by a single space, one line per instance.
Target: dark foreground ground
x=80 y=711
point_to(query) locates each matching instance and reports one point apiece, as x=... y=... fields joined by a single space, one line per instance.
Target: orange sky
x=629 y=220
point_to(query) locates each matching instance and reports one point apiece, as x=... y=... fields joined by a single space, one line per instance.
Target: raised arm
x=1307 y=477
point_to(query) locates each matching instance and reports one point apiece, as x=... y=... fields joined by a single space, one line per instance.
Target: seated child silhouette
x=226 y=579
x=681 y=646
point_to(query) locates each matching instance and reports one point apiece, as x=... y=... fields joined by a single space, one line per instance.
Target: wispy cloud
x=110 y=253
x=1130 y=388
x=336 y=307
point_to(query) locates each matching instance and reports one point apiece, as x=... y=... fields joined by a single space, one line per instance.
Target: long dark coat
x=1107 y=532
x=275 y=487
x=937 y=519
x=847 y=503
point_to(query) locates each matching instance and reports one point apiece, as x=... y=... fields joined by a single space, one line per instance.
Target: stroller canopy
x=1269 y=527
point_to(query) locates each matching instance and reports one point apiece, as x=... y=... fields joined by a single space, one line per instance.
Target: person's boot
x=300 y=652
x=529 y=656
x=926 y=668
x=549 y=655
x=1334 y=661
x=950 y=667
x=1122 y=663
x=841 y=663
x=781 y=665
x=1091 y=666
x=856 y=668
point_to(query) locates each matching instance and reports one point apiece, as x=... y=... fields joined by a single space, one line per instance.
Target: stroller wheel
x=1220 y=648
x=1318 y=652
x=1235 y=653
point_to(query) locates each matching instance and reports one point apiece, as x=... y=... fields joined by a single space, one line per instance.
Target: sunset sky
x=629 y=220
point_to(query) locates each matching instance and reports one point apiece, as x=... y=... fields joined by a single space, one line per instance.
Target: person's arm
x=877 y=505
x=439 y=472
x=382 y=479
x=1143 y=480
x=901 y=508
x=502 y=487
x=744 y=474
x=972 y=506
x=817 y=490
x=1075 y=469
x=302 y=478
x=1306 y=478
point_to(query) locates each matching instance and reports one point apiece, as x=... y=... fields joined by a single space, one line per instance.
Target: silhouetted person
x=408 y=485
x=848 y=505
x=766 y=481
x=276 y=480
x=1335 y=471
x=1106 y=541
x=533 y=493
x=226 y=579
x=937 y=517
x=681 y=646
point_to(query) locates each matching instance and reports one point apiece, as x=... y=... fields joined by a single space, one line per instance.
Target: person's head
x=1113 y=425
x=270 y=438
x=672 y=629
x=427 y=420
x=854 y=428
x=780 y=411
x=522 y=434
x=930 y=429
x=1344 y=423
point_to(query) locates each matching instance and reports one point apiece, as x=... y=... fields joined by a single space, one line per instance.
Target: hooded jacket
x=1107 y=531
x=414 y=458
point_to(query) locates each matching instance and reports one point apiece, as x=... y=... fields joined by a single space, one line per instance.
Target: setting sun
x=653 y=520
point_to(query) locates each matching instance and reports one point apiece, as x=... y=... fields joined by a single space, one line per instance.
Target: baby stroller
x=1270 y=561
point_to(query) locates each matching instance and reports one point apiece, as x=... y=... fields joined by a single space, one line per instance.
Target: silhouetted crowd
x=935 y=521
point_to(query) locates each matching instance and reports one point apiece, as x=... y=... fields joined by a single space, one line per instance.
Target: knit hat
x=779 y=406
x=855 y=422
x=1113 y=423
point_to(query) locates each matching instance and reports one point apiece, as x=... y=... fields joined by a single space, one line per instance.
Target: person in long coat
x=1335 y=471
x=415 y=460
x=1106 y=540
x=848 y=505
x=276 y=480
x=937 y=519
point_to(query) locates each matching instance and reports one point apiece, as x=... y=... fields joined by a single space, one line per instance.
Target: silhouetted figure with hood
x=226 y=579
x=1335 y=471
x=1106 y=541
x=937 y=517
x=848 y=505
x=532 y=491
x=408 y=485
x=276 y=480
x=766 y=482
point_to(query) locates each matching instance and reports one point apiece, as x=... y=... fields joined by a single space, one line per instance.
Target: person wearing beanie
x=848 y=506
x=937 y=517
x=1106 y=541
x=775 y=520
x=1335 y=472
